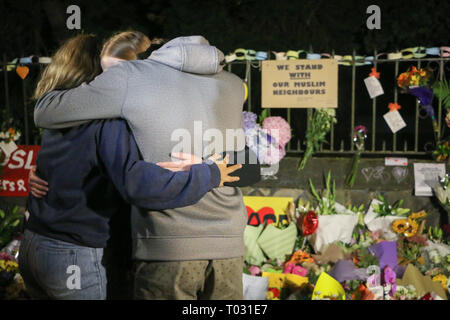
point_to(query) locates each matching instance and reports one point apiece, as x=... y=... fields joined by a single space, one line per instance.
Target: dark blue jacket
x=91 y=169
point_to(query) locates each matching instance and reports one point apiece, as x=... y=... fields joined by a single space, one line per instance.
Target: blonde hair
x=126 y=45
x=75 y=62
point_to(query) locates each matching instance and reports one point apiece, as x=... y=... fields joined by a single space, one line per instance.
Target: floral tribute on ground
x=383 y=252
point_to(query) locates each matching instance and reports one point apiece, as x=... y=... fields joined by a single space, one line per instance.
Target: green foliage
x=327 y=200
x=435 y=234
x=442 y=150
x=385 y=209
x=320 y=124
x=264 y=114
x=9 y=222
x=365 y=258
x=442 y=90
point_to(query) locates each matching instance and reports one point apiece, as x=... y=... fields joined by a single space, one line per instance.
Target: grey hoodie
x=179 y=89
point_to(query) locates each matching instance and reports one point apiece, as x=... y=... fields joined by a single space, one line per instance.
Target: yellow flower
x=421 y=260
x=412 y=230
x=418 y=215
x=442 y=279
x=400 y=225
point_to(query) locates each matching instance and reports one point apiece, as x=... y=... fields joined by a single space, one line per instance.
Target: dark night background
x=37 y=27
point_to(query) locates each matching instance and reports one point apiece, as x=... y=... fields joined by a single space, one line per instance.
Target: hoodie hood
x=191 y=54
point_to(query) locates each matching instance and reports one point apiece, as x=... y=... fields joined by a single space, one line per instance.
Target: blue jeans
x=54 y=269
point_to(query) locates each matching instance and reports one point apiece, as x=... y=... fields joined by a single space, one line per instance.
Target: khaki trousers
x=189 y=280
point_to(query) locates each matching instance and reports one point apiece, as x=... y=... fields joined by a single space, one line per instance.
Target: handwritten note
x=373 y=86
x=394 y=121
x=426 y=175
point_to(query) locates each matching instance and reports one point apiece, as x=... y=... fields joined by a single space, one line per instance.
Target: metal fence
x=354 y=107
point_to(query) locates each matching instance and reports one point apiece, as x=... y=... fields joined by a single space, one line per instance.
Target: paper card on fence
x=394 y=161
x=426 y=176
x=394 y=120
x=373 y=86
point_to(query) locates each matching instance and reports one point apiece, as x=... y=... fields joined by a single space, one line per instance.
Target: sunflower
x=412 y=230
x=442 y=279
x=418 y=215
x=400 y=225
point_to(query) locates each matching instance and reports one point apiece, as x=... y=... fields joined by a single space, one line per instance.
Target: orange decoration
x=374 y=73
x=394 y=106
x=299 y=257
x=22 y=71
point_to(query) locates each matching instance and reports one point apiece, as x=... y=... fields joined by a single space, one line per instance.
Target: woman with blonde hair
x=91 y=169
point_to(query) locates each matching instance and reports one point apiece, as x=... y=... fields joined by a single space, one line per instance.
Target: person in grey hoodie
x=195 y=252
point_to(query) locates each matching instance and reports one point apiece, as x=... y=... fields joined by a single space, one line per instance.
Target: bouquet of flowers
x=415 y=82
x=359 y=137
x=336 y=223
x=414 y=77
x=268 y=138
x=442 y=192
x=8 y=137
x=381 y=215
x=320 y=121
x=11 y=283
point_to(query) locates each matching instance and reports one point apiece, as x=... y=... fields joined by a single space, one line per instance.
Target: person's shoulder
x=229 y=76
x=141 y=65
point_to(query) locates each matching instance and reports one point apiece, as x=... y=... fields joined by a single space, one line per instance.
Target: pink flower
x=389 y=277
x=254 y=270
x=278 y=128
x=294 y=269
x=5 y=256
x=373 y=280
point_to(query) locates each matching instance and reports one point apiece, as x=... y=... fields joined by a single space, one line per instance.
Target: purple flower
x=389 y=277
x=248 y=120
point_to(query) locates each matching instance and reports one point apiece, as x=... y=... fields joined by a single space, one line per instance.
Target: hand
x=187 y=160
x=224 y=170
x=38 y=187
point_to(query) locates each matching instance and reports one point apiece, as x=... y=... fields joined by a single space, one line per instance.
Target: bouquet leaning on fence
x=336 y=223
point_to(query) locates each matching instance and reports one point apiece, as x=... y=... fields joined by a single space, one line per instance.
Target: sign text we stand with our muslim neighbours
x=299 y=83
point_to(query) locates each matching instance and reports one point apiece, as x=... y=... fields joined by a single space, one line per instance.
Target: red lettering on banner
x=14 y=173
x=265 y=214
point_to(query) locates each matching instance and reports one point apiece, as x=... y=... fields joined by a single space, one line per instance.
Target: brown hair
x=126 y=45
x=75 y=62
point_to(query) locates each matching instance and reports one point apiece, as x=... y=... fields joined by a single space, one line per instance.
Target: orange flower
x=11 y=131
x=363 y=293
x=402 y=80
x=394 y=106
x=299 y=257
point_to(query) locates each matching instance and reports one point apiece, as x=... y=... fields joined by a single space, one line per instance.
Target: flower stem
x=351 y=178
x=306 y=156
